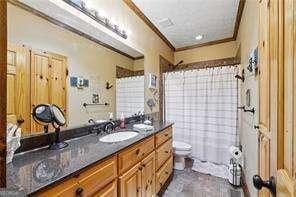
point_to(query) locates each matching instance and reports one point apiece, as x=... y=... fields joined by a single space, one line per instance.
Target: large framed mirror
x=88 y=80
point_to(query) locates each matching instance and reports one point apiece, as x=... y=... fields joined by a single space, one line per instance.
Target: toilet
x=181 y=151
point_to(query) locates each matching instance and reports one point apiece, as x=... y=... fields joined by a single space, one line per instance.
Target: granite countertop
x=33 y=170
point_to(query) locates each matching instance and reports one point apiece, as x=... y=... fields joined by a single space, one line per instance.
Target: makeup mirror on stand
x=46 y=114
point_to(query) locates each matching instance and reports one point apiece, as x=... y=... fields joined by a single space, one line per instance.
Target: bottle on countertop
x=111 y=116
x=122 y=121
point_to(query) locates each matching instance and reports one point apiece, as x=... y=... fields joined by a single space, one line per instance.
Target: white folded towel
x=142 y=127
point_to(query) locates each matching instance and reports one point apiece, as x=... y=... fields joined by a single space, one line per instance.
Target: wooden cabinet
x=163 y=136
x=163 y=153
x=140 y=180
x=134 y=154
x=108 y=191
x=95 y=178
x=67 y=188
x=34 y=77
x=163 y=173
x=129 y=173
x=130 y=182
x=98 y=180
x=148 y=176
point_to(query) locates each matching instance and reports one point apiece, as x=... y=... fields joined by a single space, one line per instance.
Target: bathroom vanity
x=140 y=166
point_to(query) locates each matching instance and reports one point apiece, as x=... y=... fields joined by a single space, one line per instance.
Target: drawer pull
x=143 y=165
x=79 y=191
x=166 y=134
x=140 y=168
x=166 y=172
x=166 y=151
x=137 y=151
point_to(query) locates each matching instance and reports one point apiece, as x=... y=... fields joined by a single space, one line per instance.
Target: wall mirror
x=48 y=64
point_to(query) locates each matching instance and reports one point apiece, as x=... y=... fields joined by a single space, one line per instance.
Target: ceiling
x=213 y=19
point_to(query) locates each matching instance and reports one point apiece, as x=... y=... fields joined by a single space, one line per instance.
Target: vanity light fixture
x=199 y=37
x=86 y=7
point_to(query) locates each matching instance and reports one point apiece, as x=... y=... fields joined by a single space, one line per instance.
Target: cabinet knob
x=79 y=191
x=140 y=168
x=166 y=151
x=166 y=134
x=137 y=151
x=269 y=184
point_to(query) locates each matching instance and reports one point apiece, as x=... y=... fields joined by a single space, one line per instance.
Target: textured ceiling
x=214 y=19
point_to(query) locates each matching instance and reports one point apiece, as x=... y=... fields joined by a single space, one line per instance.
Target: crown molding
x=140 y=14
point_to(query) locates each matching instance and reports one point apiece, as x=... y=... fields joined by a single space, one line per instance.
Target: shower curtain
x=203 y=105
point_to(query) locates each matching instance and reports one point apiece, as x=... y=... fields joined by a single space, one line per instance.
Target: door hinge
x=67 y=72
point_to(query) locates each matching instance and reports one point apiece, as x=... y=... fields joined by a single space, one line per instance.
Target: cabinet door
x=130 y=183
x=18 y=86
x=108 y=191
x=148 y=176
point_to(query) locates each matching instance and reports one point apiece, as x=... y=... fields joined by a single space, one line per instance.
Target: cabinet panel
x=97 y=177
x=135 y=154
x=163 y=153
x=108 y=191
x=130 y=183
x=65 y=189
x=148 y=176
x=163 y=173
x=163 y=136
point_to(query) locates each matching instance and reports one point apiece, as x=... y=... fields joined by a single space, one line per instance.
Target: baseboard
x=244 y=185
x=165 y=185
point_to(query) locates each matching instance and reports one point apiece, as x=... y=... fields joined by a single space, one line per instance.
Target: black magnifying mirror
x=46 y=114
x=58 y=115
x=42 y=114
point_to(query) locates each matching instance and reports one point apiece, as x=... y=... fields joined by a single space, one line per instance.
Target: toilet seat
x=182 y=146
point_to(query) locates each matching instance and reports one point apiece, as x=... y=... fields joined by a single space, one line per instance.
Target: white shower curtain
x=203 y=105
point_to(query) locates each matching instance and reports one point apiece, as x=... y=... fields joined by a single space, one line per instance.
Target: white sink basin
x=119 y=136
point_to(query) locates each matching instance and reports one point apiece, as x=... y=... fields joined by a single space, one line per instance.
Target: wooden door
x=286 y=174
x=40 y=83
x=264 y=132
x=148 y=176
x=18 y=86
x=277 y=86
x=58 y=81
x=130 y=183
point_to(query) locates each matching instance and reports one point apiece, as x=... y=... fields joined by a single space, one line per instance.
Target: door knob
x=269 y=184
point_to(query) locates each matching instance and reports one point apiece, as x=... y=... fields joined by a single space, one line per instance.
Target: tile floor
x=189 y=183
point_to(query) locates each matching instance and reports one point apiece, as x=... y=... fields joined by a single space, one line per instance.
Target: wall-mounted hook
x=241 y=77
x=247 y=110
x=108 y=86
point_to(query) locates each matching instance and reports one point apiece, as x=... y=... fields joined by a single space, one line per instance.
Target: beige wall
x=138 y=65
x=142 y=38
x=211 y=52
x=85 y=58
x=248 y=38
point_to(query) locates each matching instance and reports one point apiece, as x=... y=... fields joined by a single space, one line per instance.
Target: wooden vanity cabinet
x=139 y=180
x=139 y=170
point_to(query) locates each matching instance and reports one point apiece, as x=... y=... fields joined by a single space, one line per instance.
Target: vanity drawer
x=108 y=191
x=163 y=173
x=132 y=155
x=95 y=178
x=163 y=136
x=163 y=153
x=65 y=188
